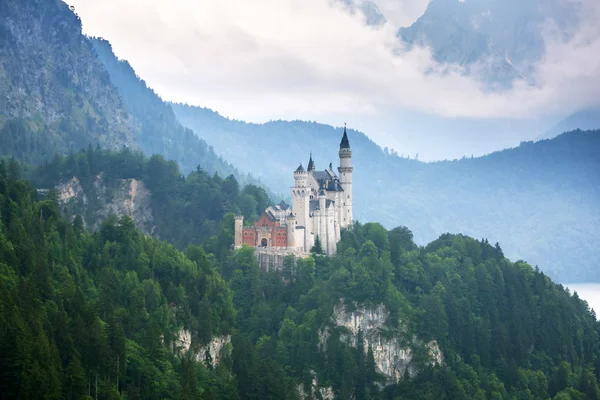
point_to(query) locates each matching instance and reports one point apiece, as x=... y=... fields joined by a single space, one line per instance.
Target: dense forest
x=101 y=314
x=187 y=209
x=539 y=200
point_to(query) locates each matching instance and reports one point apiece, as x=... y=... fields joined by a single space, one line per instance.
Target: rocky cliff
x=128 y=197
x=393 y=348
x=218 y=347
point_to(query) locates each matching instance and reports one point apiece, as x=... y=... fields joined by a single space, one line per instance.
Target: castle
x=321 y=207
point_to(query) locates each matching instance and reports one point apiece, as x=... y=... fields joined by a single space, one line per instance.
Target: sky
x=316 y=60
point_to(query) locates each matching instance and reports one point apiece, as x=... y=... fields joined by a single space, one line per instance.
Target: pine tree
x=318 y=247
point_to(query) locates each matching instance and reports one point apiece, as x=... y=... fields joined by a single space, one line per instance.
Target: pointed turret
x=311 y=164
x=345 y=143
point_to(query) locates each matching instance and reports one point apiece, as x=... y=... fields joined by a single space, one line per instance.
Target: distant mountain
x=497 y=39
x=540 y=200
x=54 y=93
x=584 y=120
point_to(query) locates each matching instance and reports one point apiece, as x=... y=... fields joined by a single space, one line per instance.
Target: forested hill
x=182 y=209
x=118 y=314
x=61 y=91
x=540 y=200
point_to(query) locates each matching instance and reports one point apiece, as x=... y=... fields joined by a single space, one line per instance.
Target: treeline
x=187 y=210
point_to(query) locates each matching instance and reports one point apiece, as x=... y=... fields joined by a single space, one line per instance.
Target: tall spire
x=311 y=164
x=345 y=144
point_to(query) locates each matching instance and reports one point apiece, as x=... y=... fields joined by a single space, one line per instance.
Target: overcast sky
x=313 y=60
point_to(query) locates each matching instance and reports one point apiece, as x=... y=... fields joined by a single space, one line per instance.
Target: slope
x=584 y=120
x=539 y=200
x=157 y=129
x=54 y=93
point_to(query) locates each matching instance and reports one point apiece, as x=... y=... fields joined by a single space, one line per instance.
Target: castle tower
x=291 y=231
x=321 y=221
x=301 y=196
x=239 y=227
x=345 y=170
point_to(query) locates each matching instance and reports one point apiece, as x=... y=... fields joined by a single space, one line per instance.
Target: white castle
x=321 y=207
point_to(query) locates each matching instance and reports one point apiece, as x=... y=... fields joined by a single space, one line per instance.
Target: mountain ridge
x=432 y=198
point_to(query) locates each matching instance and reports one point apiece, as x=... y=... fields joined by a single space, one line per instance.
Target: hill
x=539 y=200
x=116 y=313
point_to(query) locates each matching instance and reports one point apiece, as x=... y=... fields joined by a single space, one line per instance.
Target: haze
x=319 y=60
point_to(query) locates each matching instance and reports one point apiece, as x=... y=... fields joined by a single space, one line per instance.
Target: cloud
x=306 y=59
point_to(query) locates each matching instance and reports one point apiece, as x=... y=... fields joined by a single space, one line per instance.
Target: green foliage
x=505 y=330
x=190 y=210
x=99 y=314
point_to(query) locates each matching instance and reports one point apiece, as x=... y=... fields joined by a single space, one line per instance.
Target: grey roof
x=327 y=180
x=322 y=176
x=345 y=144
x=283 y=206
x=300 y=168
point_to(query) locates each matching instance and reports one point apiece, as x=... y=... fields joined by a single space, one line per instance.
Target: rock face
x=128 y=197
x=217 y=347
x=392 y=351
x=55 y=95
x=316 y=392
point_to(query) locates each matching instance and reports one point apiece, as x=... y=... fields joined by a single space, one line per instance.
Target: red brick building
x=266 y=232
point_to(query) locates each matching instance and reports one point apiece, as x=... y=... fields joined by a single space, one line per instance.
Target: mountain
x=584 y=120
x=498 y=40
x=61 y=91
x=539 y=200
x=157 y=129
x=55 y=95
x=116 y=313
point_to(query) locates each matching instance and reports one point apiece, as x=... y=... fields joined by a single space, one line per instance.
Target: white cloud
x=267 y=59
